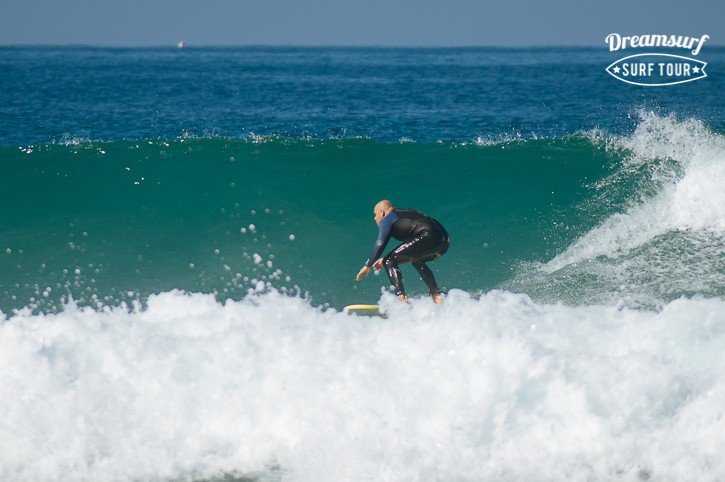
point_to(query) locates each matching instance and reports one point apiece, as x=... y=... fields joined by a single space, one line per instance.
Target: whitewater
x=496 y=387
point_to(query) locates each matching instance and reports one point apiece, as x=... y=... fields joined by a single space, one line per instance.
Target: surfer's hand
x=378 y=264
x=363 y=272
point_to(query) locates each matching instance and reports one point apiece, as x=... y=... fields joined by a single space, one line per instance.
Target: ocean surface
x=181 y=228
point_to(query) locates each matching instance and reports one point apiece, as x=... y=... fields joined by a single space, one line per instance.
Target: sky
x=352 y=22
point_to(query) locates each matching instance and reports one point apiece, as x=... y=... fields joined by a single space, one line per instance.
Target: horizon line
x=282 y=45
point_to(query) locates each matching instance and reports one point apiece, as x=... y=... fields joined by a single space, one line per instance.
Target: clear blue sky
x=352 y=22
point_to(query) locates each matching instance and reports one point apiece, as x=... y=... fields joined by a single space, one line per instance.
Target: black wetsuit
x=424 y=239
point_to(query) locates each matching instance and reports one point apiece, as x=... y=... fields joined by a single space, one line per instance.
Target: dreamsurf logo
x=656 y=69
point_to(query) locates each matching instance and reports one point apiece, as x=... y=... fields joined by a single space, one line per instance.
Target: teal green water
x=145 y=217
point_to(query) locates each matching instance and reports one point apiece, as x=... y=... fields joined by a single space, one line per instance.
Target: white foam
x=499 y=388
x=691 y=197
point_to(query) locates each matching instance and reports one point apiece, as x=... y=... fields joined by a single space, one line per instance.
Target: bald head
x=382 y=209
x=384 y=204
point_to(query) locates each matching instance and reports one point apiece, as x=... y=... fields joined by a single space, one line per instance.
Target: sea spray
x=498 y=387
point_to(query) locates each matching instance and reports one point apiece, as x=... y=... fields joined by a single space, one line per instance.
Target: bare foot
x=438 y=298
x=403 y=298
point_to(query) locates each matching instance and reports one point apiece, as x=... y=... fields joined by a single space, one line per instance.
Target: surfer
x=424 y=239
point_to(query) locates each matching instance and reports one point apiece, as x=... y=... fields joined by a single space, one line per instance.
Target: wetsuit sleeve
x=383 y=237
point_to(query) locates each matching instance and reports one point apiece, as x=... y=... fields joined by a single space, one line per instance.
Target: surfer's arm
x=386 y=224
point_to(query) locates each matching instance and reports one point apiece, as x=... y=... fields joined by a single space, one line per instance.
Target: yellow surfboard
x=363 y=310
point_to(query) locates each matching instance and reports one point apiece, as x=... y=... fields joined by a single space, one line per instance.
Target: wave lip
x=692 y=193
x=670 y=240
x=271 y=386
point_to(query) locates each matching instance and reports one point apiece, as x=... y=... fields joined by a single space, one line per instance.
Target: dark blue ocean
x=386 y=94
